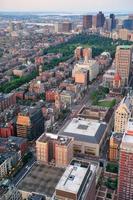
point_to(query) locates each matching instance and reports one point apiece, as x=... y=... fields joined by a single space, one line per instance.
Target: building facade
x=55 y=150
x=123 y=59
x=125 y=183
x=122 y=114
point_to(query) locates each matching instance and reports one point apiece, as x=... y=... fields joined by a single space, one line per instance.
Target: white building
x=91 y=65
x=77 y=182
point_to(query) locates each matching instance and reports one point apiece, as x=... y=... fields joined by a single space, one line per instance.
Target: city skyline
x=57 y=6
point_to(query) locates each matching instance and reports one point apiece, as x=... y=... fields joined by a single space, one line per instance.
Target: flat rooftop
x=41 y=179
x=82 y=126
x=86 y=130
x=127 y=143
x=61 y=140
x=73 y=177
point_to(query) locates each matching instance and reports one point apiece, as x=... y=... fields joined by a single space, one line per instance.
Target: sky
x=67 y=5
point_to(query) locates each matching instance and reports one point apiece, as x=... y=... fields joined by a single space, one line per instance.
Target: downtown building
x=55 y=150
x=77 y=182
x=30 y=122
x=122 y=114
x=123 y=60
x=87 y=22
x=125 y=183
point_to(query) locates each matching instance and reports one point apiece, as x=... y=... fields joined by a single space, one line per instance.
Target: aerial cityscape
x=66 y=100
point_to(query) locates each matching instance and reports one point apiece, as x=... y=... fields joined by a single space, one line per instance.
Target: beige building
x=123 y=60
x=54 y=149
x=122 y=114
x=91 y=66
x=123 y=34
x=89 y=135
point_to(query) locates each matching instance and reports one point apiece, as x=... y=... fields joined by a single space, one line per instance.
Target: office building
x=63 y=27
x=77 y=182
x=125 y=182
x=128 y=24
x=100 y=19
x=54 y=149
x=107 y=24
x=123 y=60
x=30 y=122
x=78 y=53
x=90 y=65
x=82 y=77
x=113 y=21
x=114 y=146
x=87 y=54
x=122 y=114
x=123 y=34
x=87 y=22
x=89 y=135
x=94 y=21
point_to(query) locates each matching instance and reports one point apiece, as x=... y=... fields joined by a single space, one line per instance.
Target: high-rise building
x=125 y=183
x=123 y=34
x=128 y=24
x=100 y=19
x=87 y=54
x=113 y=21
x=122 y=114
x=63 y=27
x=123 y=59
x=77 y=182
x=87 y=22
x=108 y=24
x=114 y=146
x=51 y=148
x=30 y=122
x=79 y=53
x=94 y=21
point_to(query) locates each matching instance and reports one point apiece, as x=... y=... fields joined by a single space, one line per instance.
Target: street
x=21 y=174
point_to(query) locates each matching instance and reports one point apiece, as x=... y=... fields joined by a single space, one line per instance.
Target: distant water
x=62 y=13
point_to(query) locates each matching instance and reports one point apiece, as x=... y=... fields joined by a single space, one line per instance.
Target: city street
x=20 y=175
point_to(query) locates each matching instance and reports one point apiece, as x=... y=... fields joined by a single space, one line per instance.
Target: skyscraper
x=100 y=19
x=113 y=21
x=87 y=22
x=122 y=114
x=123 y=60
x=125 y=183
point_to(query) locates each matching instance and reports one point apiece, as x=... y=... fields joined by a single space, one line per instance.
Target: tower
x=87 y=22
x=125 y=182
x=123 y=60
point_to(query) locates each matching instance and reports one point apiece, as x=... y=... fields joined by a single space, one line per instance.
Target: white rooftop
x=82 y=126
x=72 y=179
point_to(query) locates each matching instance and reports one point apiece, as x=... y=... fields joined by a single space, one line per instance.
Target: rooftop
x=73 y=177
x=125 y=47
x=82 y=126
x=127 y=143
x=86 y=130
x=41 y=179
x=62 y=140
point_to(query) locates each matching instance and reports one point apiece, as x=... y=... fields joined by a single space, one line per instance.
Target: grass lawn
x=107 y=103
